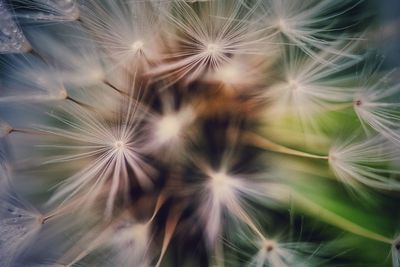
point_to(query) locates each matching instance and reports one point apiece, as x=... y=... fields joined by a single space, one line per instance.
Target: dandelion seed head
x=294 y=84
x=221 y=184
x=137 y=46
x=351 y=161
x=358 y=102
x=213 y=49
x=119 y=145
x=112 y=150
x=269 y=245
x=282 y=25
x=168 y=128
x=179 y=136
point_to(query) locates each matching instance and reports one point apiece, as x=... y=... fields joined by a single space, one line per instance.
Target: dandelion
x=180 y=132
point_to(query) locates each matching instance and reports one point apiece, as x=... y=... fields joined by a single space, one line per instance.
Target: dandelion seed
x=207 y=38
x=356 y=163
x=77 y=63
x=113 y=150
x=222 y=191
x=274 y=253
x=309 y=25
x=129 y=32
x=165 y=79
x=226 y=192
x=30 y=80
x=311 y=88
x=376 y=106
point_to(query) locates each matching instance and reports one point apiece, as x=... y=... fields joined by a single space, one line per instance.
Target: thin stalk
x=109 y=84
x=336 y=220
x=23 y=131
x=247 y=220
x=265 y=143
x=78 y=102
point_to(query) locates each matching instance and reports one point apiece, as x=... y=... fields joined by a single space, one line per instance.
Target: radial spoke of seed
x=262 y=142
x=247 y=220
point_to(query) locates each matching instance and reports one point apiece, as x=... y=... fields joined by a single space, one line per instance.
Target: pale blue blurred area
x=389 y=20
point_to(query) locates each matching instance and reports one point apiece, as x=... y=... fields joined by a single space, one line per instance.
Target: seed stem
x=77 y=102
x=334 y=219
x=106 y=82
x=265 y=143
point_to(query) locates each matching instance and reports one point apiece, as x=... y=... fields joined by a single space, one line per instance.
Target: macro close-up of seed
x=196 y=133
